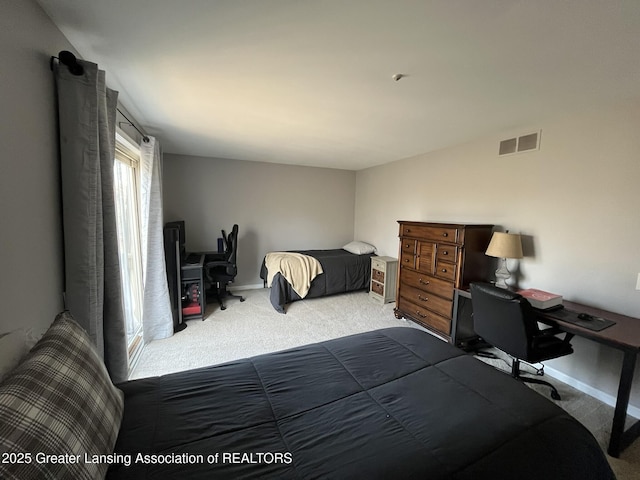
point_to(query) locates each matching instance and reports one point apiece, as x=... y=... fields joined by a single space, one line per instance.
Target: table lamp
x=503 y=246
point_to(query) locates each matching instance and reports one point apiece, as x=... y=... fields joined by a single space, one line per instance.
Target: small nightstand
x=383 y=279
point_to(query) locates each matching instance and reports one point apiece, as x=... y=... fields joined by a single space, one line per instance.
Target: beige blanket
x=298 y=269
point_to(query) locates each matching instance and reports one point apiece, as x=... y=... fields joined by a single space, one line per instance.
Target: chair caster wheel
x=555 y=395
x=223 y=308
x=242 y=299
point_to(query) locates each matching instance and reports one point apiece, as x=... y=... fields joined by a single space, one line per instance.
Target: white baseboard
x=255 y=286
x=589 y=390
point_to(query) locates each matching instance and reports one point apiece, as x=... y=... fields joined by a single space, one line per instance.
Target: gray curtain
x=157 y=319
x=93 y=291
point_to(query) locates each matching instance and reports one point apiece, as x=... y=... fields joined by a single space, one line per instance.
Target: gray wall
x=277 y=207
x=30 y=259
x=575 y=200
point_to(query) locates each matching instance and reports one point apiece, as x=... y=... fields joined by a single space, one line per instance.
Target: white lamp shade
x=505 y=245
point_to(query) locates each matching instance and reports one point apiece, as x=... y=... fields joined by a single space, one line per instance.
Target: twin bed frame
x=343 y=272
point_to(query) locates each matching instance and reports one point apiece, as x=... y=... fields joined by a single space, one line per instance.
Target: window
x=126 y=181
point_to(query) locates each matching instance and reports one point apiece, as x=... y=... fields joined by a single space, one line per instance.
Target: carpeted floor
x=254 y=327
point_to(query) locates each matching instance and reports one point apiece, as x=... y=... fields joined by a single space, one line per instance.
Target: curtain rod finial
x=69 y=59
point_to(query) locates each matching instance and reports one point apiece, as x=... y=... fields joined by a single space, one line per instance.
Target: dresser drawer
x=447 y=253
x=408 y=245
x=427 y=283
x=446 y=271
x=377 y=275
x=447 y=234
x=408 y=260
x=427 y=300
x=424 y=316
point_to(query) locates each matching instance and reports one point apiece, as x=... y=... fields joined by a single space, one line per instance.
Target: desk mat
x=569 y=316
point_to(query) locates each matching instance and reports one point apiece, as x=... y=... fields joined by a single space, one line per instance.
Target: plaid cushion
x=59 y=401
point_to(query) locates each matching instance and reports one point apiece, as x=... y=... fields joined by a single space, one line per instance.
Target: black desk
x=624 y=336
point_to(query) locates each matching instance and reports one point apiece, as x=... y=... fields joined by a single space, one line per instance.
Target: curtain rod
x=145 y=139
x=69 y=59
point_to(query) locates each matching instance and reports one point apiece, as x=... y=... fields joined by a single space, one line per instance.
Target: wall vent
x=524 y=143
x=508 y=146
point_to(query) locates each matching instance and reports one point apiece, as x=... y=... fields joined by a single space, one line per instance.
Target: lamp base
x=502 y=274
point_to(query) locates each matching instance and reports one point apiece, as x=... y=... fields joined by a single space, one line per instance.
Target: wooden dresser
x=435 y=258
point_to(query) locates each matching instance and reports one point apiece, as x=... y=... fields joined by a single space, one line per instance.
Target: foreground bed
x=393 y=403
x=343 y=272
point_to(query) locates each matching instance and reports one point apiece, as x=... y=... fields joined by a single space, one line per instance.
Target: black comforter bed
x=392 y=403
x=343 y=272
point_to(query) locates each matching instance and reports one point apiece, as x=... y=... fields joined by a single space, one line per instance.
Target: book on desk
x=551 y=305
x=540 y=299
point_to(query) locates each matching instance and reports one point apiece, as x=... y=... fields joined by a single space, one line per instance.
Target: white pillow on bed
x=359 y=248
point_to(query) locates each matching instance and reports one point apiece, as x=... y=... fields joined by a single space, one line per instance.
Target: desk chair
x=507 y=321
x=221 y=269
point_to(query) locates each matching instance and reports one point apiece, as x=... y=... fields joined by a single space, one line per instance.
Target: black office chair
x=221 y=269
x=507 y=321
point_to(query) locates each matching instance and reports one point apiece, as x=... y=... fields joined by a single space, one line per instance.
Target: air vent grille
x=524 y=143
x=508 y=146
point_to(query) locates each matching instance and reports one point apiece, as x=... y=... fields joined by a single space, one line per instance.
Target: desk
x=624 y=336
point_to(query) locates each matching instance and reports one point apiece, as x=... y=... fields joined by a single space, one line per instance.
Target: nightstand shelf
x=382 y=287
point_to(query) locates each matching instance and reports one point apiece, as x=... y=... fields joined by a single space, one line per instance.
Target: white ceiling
x=309 y=82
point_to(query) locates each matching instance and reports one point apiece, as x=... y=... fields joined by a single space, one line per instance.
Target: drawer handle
x=407 y=246
x=408 y=230
x=406 y=260
x=445 y=234
x=444 y=270
x=445 y=253
x=423 y=282
x=424 y=299
x=420 y=314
